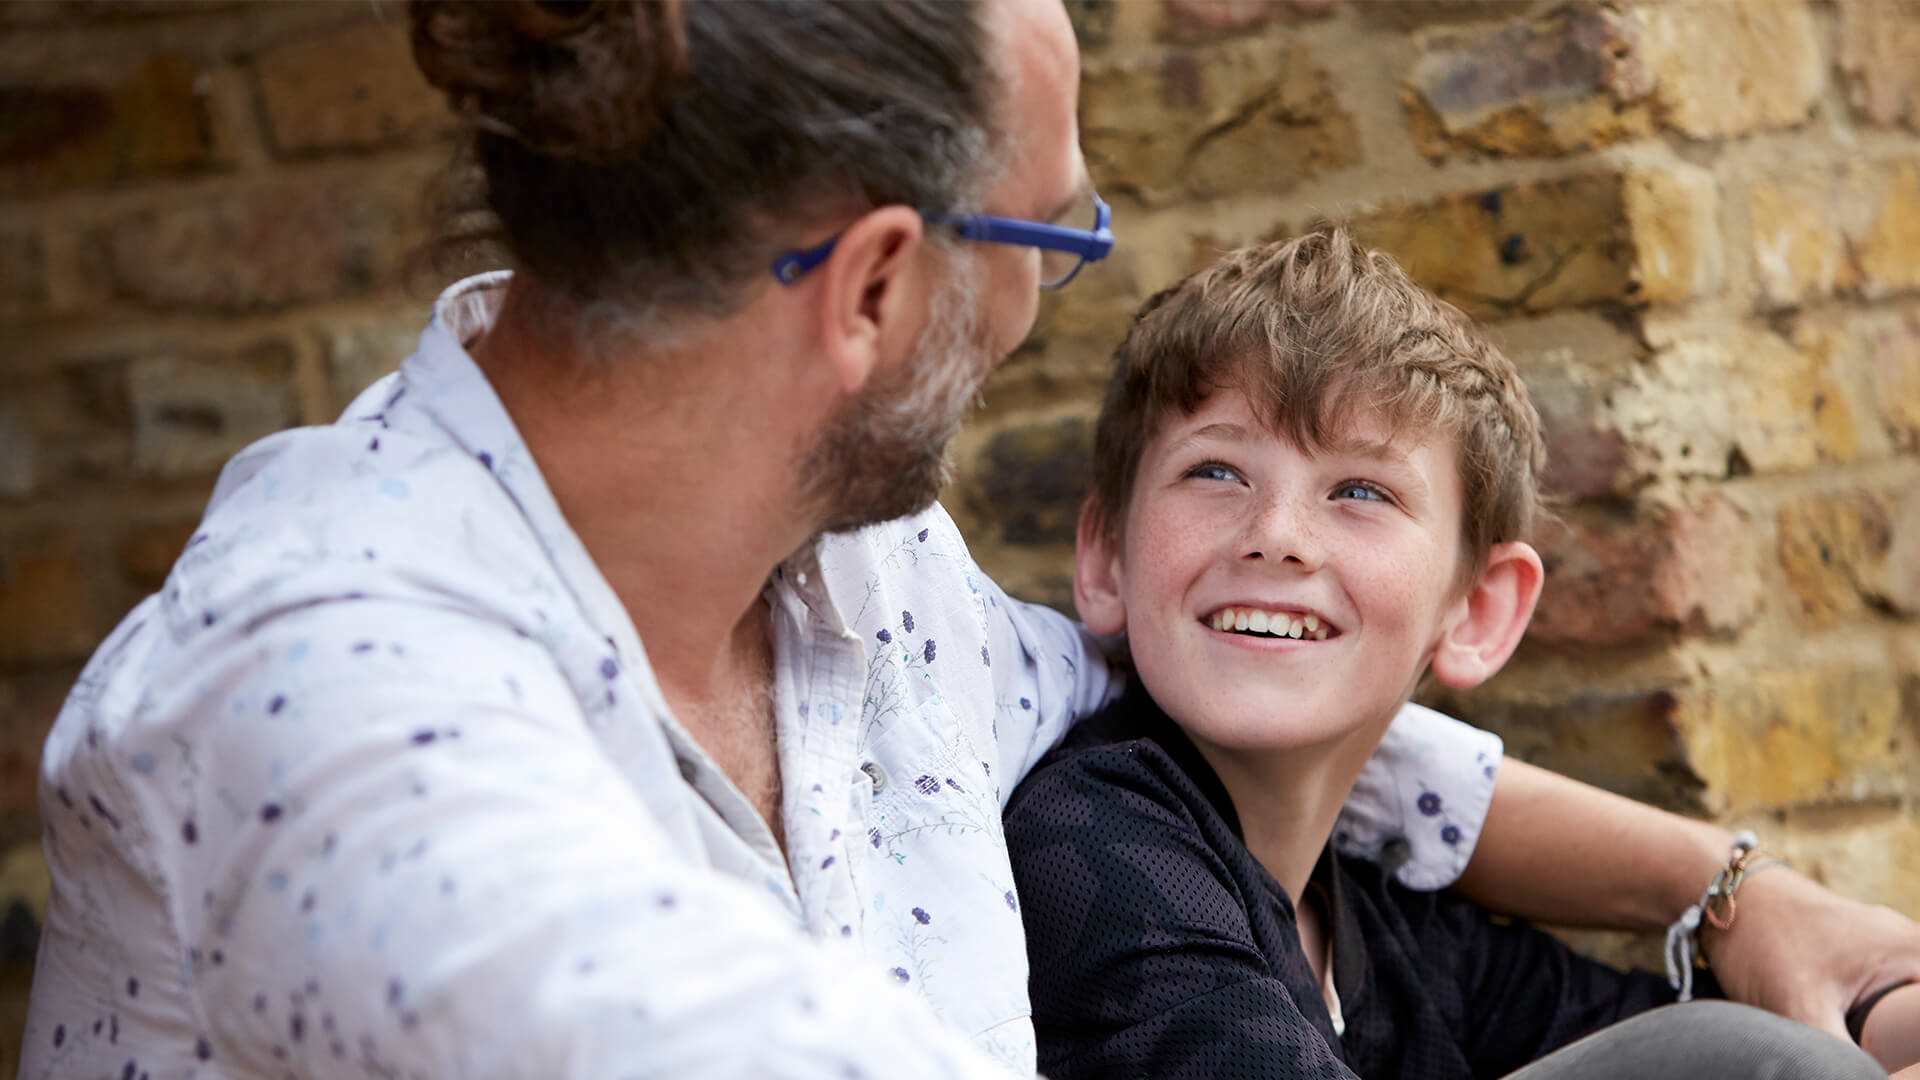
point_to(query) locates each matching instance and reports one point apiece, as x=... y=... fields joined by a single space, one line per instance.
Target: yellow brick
x=1599 y=238
x=1249 y=116
x=1854 y=229
x=1833 y=549
x=1889 y=244
x=1732 y=68
x=1566 y=81
x=1880 y=59
x=1673 y=217
x=1795 y=738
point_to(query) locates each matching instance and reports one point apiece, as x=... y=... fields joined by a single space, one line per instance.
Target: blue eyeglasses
x=1063 y=250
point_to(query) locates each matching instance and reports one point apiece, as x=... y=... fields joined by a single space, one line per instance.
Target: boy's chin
x=1253 y=730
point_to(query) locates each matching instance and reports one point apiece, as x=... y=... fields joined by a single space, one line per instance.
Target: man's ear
x=1096 y=574
x=1487 y=623
x=874 y=294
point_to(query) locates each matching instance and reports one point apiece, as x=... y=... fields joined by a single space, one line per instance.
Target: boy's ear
x=1486 y=624
x=1096 y=575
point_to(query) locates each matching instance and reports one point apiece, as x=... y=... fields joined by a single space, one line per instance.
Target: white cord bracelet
x=1683 y=937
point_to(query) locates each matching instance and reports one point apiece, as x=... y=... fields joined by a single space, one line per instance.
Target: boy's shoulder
x=1128 y=760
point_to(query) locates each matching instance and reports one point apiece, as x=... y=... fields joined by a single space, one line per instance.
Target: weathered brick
x=1601 y=238
x=1889 y=244
x=1724 y=69
x=1879 y=41
x=268 y=247
x=1202 y=20
x=1854 y=229
x=64 y=427
x=51 y=609
x=1892 y=348
x=29 y=701
x=1092 y=22
x=1849 y=552
x=1624 y=740
x=1673 y=215
x=1614 y=578
x=191 y=415
x=355 y=87
x=1249 y=116
x=1587 y=455
x=1566 y=81
x=360 y=354
x=1731 y=403
x=148 y=551
x=23 y=276
x=1738 y=743
x=55 y=135
x=1780 y=738
x=1029 y=480
x=1868 y=853
x=1406 y=14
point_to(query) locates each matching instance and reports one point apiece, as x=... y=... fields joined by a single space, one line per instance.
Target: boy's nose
x=1282 y=534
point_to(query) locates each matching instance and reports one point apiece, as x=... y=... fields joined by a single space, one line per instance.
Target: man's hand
x=1808 y=953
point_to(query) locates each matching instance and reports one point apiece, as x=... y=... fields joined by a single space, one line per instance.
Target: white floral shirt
x=381 y=784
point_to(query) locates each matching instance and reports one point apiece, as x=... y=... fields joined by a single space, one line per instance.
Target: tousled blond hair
x=1315 y=331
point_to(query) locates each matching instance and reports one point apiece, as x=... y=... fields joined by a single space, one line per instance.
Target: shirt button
x=1395 y=853
x=801 y=577
x=876 y=774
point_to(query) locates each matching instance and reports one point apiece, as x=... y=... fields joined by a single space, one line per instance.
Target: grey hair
x=742 y=127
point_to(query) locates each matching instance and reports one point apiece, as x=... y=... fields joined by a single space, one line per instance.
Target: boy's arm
x=1560 y=851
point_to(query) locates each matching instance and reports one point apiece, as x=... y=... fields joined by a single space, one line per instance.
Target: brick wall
x=1696 y=224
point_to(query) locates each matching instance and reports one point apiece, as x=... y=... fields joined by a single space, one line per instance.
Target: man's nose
x=1280 y=529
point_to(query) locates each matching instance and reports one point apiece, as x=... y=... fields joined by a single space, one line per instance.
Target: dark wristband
x=1857 y=1016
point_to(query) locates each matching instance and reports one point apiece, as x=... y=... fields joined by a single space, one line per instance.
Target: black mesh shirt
x=1160 y=948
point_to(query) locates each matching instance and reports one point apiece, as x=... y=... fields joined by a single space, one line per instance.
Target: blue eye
x=1213 y=470
x=1354 y=489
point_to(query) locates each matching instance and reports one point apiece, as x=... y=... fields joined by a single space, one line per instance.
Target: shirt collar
x=444 y=382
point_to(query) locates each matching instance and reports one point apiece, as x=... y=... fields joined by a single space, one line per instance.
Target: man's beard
x=884 y=455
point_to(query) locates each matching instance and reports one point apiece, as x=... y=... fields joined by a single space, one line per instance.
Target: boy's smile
x=1276 y=599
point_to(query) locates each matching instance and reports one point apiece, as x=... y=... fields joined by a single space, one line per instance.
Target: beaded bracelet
x=1716 y=906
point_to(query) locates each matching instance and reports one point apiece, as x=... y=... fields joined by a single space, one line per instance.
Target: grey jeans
x=1705 y=1040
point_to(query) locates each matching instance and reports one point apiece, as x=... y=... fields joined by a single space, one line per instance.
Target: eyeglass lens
x=1058 y=266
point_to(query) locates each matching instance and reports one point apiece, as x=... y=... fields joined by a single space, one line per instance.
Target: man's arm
x=1560 y=851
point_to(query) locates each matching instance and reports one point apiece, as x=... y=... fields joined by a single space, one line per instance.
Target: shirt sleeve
x=1144 y=960
x=1421 y=800
x=1062 y=674
x=409 y=855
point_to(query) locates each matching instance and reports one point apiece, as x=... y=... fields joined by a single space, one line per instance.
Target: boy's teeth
x=1272 y=623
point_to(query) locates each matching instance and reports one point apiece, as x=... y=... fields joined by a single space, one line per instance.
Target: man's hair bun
x=582 y=80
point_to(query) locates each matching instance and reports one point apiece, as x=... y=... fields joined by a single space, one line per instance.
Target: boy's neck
x=1288 y=800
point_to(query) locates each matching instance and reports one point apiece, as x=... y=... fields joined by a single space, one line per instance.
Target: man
x=533 y=718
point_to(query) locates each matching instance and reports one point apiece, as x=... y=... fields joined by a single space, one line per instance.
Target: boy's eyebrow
x=1384 y=450
x=1219 y=429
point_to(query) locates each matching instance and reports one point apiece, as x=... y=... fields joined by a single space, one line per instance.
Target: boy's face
x=1360 y=544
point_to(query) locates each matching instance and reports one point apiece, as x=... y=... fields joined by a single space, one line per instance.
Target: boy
x=1313 y=488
